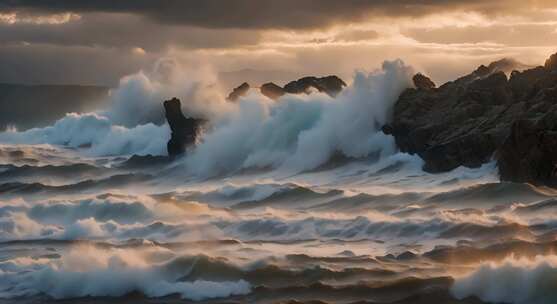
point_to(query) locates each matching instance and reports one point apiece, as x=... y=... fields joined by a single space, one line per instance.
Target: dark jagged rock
x=529 y=154
x=464 y=122
x=330 y=85
x=184 y=130
x=238 y=92
x=423 y=82
x=272 y=90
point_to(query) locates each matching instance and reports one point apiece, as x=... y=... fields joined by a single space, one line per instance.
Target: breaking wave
x=295 y=134
x=513 y=281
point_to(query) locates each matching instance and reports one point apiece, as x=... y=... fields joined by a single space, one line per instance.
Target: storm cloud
x=98 y=42
x=265 y=14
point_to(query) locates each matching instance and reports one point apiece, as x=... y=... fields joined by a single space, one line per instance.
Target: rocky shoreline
x=483 y=116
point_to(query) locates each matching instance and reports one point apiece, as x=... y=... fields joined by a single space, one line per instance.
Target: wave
x=297 y=133
x=96 y=136
x=291 y=196
x=467 y=254
x=303 y=132
x=90 y=272
x=513 y=281
x=18 y=189
x=491 y=194
x=50 y=173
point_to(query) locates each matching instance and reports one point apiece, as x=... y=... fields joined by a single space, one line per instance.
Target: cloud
x=98 y=42
x=120 y=30
x=505 y=34
x=293 y=14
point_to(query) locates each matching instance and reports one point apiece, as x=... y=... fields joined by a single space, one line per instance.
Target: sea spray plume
x=137 y=99
x=302 y=132
x=133 y=123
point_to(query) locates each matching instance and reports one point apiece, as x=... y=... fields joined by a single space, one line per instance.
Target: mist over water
x=261 y=210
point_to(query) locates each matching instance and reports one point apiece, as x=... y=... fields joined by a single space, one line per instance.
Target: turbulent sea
x=297 y=201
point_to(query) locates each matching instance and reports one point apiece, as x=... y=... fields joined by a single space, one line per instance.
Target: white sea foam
x=513 y=281
x=296 y=133
x=88 y=271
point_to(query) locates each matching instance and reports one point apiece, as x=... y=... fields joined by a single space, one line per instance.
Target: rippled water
x=108 y=229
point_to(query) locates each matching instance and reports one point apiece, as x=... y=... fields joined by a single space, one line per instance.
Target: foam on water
x=302 y=198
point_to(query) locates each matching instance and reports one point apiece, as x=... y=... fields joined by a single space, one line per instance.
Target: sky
x=98 y=42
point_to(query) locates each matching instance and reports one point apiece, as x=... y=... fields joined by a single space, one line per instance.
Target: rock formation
x=331 y=85
x=238 y=92
x=272 y=90
x=423 y=82
x=529 y=154
x=184 y=130
x=464 y=122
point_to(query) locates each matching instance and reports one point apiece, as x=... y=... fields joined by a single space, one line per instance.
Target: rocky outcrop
x=238 y=92
x=423 y=82
x=272 y=90
x=184 y=130
x=529 y=154
x=551 y=63
x=331 y=85
x=464 y=122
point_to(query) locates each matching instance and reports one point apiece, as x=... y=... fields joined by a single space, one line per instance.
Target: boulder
x=423 y=82
x=272 y=90
x=238 y=92
x=184 y=130
x=468 y=121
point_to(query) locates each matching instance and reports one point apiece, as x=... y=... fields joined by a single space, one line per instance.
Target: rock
x=330 y=85
x=464 y=122
x=529 y=154
x=238 y=92
x=272 y=90
x=423 y=82
x=184 y=130
x=551 y=63
x=448 y=126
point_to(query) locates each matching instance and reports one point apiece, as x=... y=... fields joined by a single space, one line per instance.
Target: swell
x=20 y=189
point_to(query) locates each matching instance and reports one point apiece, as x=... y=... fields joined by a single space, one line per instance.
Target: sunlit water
x=301 y=200
x=87 y=228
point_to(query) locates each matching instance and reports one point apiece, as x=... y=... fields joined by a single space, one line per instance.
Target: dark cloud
x=96 y=47
x=123 y=30
x=264 y=14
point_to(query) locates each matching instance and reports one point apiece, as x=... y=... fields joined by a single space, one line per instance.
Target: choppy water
x=108 y=229
x=302 y=200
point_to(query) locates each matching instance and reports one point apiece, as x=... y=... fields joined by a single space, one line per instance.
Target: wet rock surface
x=469 y=121
x=184 y=129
